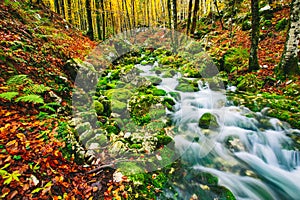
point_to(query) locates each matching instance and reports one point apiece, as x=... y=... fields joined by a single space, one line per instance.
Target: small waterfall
x=250 y=153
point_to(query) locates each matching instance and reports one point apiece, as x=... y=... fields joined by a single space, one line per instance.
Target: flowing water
x=250 y=153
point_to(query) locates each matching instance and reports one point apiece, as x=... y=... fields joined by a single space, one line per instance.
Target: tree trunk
x=103 y=19
x=189 y=17
x=98 y=19
x=90 y=31
x=195 y=16
x=175 y=14
x=70 y=11
x=169 y=13
x=289 y=60
x=253 y=60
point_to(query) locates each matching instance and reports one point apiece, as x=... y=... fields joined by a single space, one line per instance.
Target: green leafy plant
x=8 y=95
x=9 y=177
x=45 y=188
x=50 y=106
x=31 y=98
x=36 y=89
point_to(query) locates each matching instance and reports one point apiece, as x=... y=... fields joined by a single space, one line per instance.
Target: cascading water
x=250 y=153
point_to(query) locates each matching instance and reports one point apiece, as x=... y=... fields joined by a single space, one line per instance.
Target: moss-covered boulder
x=208 y=121
x=158 y=92
x=155 y=80
x=98 y=107
x=118 y=106
x=120 y=94
x=185 y=87
x=106 y=105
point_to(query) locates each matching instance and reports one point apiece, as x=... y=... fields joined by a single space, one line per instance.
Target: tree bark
x=189 y=17
x=90 y=31
x=253 y=59
x=195 y=16
x=289 y=60
x=174 y=2
x=103 y=19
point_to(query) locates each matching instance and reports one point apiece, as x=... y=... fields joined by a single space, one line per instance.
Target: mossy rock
x=120 y=94
x=106 y=104
x=98 y=107
x=175 y=95
x=157 y=113
x=168 y=74
x=158 y=92
x=207 y=121
x=101 y=139
x=118 y=106
x=130 y=167
x=185 y=87
x=166 y=60
x=155 y=80
x=164 y=140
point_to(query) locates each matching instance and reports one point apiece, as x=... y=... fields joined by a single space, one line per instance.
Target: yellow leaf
x=21 y=136
x=12 y=143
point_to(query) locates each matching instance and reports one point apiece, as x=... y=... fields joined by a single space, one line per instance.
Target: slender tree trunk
x=169 y=13
x=103 y=19
x=175 y=13
x=127 y=13
x=133 y=13
x=189 y=17
x=195 y=16
x=63 y=9
x=69 y=11
x=253 y=60
x=98 y=19
x=112 y=18
x=90 y=31
x=289 y=60
x=56 y=5
x=219 y=14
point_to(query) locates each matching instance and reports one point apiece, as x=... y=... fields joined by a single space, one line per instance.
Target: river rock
x=81 y=128
x=208 y=121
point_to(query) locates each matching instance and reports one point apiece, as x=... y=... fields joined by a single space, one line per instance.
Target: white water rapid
x=250 y=153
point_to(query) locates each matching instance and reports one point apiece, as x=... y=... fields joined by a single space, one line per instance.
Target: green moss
x=155 y=80
x=185 y=87
x=235 y=59
x=281 y=24
x=208 y=120
x=98 y=107
x=118 y=106
x=120 y=94
x=175 y=95
x=164 y=140
x=158 y=92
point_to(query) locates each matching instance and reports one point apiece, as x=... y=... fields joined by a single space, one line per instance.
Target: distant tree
x=253 y=60
x=189 y=17
x=174 y=4
x=90 y=31
x=195 y=16
x=289 y=60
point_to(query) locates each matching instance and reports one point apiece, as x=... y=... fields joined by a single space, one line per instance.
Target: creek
x=249 y=152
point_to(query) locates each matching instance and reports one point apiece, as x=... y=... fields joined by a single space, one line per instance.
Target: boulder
x=208 y=121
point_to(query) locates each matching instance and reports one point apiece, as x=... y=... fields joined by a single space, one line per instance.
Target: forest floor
x=38 y=43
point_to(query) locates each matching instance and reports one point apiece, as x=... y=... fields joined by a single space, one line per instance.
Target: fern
x=49 y=106
x=36 y=89
x=8 y=95
x=32 y=98
x=19 y=80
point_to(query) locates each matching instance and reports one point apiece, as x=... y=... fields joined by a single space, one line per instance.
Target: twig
x=99 y=168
